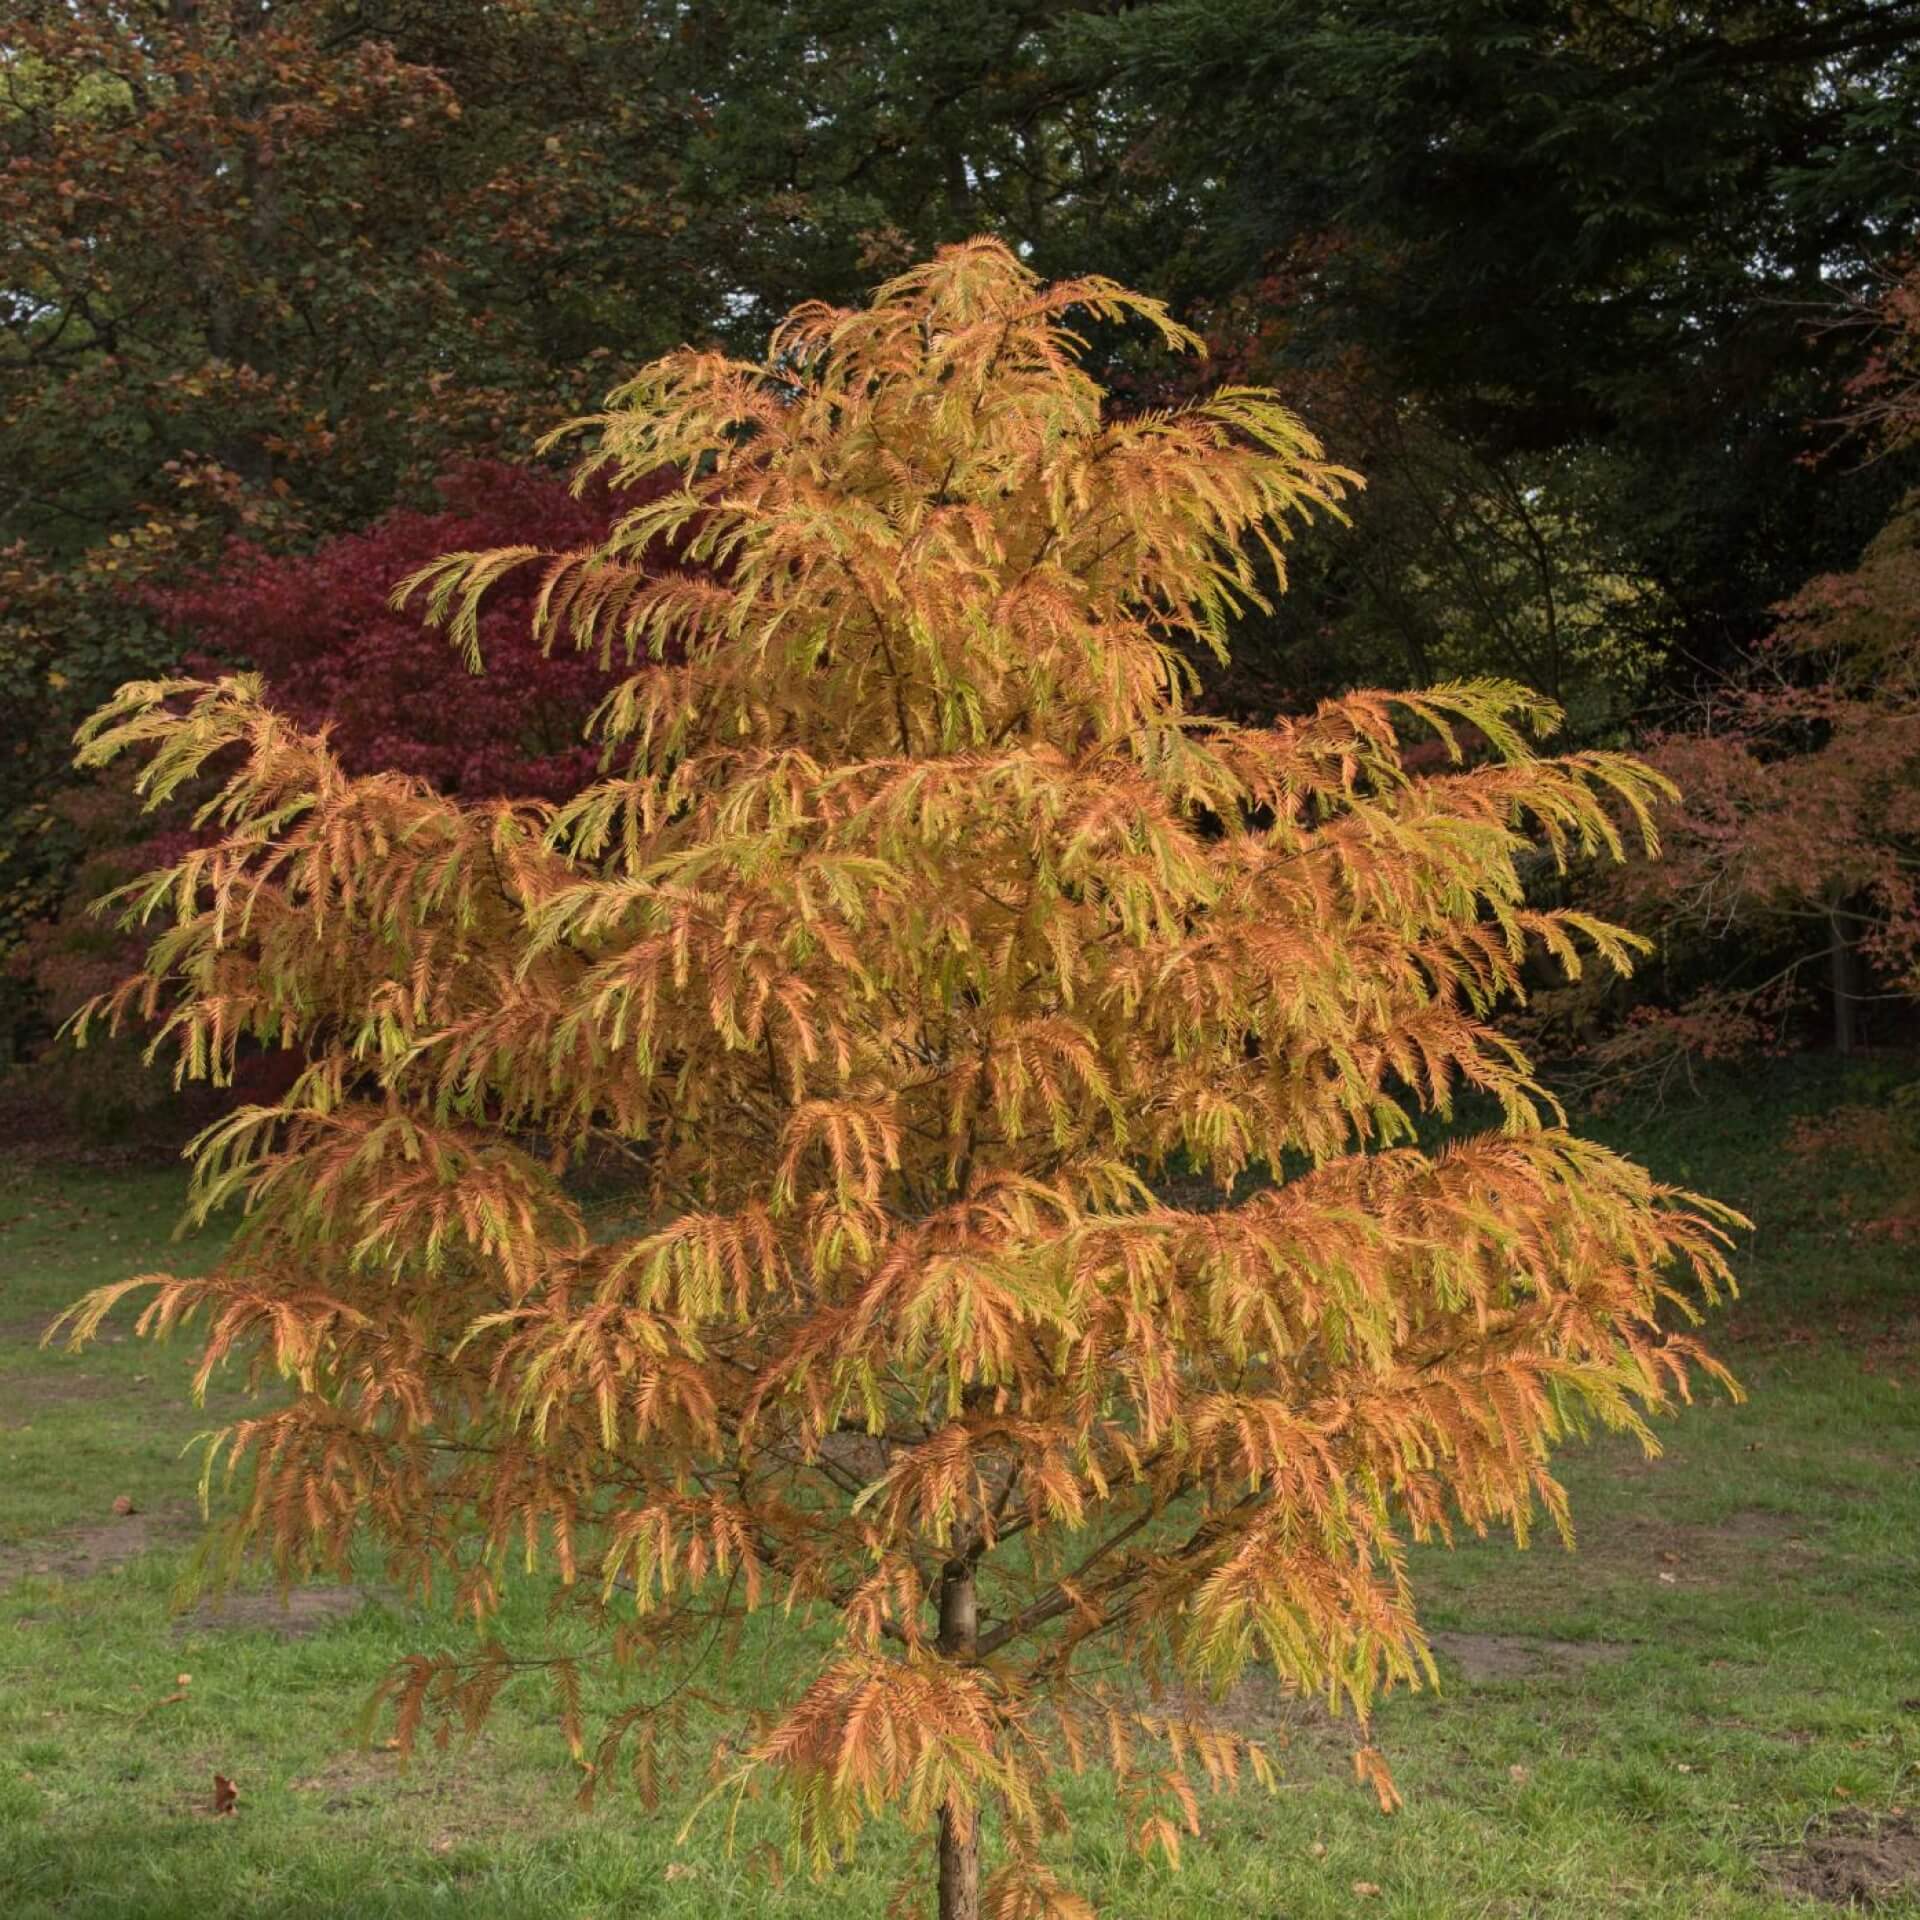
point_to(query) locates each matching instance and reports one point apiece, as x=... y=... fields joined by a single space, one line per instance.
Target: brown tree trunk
x=1840 y=961
x=959 y=1845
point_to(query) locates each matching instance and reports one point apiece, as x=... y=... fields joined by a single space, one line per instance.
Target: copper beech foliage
x=914 y=928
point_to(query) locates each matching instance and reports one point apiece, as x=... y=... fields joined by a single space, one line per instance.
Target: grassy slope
x=1755 y=1594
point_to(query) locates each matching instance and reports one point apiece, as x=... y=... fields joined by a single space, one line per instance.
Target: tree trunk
x=959 y=1845
x=1840 y=963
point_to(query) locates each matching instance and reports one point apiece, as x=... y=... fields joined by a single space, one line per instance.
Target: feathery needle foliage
x=913 y=926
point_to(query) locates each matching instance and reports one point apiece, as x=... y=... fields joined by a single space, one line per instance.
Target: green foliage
x=1597 y=235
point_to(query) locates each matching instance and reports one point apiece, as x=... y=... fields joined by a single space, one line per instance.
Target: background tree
x=1586 y=244
x=918 y=924
x=266 y=270
x=332 y=650
x=1543 y=269
x=1790 y=876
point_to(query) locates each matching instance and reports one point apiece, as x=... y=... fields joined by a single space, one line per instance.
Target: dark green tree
x=1589 y=241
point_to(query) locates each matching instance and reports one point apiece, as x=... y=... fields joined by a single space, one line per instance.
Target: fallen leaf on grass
x=1365 y=1889
x=124 y=1506
x=226 y=1796
x=1519 y=1775
x=679 y=1870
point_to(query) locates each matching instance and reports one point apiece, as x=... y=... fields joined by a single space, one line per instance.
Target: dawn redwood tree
x=915 y=926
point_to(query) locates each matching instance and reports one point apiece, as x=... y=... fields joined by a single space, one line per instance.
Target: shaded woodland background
x=1615 y=306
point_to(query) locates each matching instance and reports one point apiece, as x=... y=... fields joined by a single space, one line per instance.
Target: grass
x=1639 y=1729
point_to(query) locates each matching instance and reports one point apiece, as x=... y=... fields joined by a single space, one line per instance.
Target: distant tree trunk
x=1842 y=968
x=959 y=1834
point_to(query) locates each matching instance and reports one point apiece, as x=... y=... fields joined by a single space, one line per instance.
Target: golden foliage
x=914 y=927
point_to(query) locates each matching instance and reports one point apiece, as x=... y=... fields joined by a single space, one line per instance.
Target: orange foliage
x=916 y=924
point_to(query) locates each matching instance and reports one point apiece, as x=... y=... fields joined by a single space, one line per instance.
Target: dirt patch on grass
x=1260 y=1706
x=447 y=1800
x=1746 y=1528
x=1264 y=1707
x=35 y=1393
x=1719 y=1553
x=1488 y=1658
x=1787 y=1736
x=359 y=1777
x=292 y=1615
x=1854 y=1859
x=82 y=1552
x=1759 y=1526
x=27 y=1330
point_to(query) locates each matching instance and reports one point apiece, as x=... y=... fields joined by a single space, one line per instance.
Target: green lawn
x=1649 y=1727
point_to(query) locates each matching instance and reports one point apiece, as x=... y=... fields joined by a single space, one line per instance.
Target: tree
x=1574 y=234
x=1801 y=829
x=310 y=255
x=917 y=926
x=1791 y=864
x=266 y=270
x=332 y=652
x=865 y=132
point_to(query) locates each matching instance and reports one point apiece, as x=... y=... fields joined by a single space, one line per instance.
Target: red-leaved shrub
x=395 y=695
